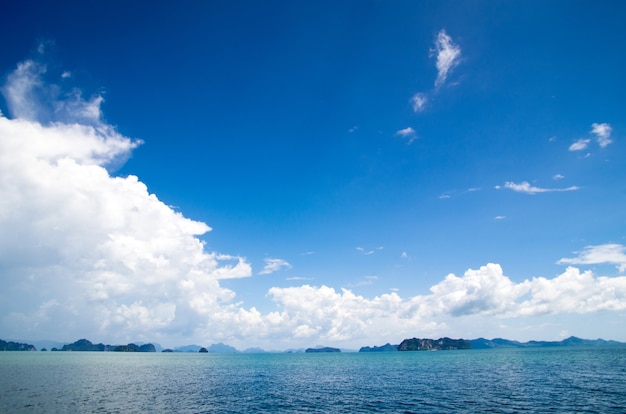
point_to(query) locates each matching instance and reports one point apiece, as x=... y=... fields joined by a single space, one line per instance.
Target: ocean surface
x=540 y=380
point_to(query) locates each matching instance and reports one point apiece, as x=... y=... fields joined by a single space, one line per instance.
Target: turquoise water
x=499 y=381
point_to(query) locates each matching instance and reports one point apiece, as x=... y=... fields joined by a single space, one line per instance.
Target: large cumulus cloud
x=84 y=252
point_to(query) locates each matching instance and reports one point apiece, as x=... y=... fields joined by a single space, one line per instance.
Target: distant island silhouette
x=322 y=349
x=412 y=344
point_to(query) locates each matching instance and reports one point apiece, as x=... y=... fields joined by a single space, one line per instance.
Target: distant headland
x=412 y=344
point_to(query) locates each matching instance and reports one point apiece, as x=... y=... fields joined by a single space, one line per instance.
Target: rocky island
x=441 y=344
x=15 y=346
x=384 y=348
x=322 y=349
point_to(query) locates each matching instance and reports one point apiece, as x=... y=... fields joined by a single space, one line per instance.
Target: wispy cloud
x=458 y=193
x=610 y=253
x=448 y=56
x=274 y=265
x=408 y=133
x=602 y=133
x=499 y=217
x=368 y=252
x=367 y=280
x=31 y=97
x=418 y=101
x=580 y=145
x=299 y=278
x=557 y=177
x=525 y=187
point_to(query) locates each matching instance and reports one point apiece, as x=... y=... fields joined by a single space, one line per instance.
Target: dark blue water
x=499 y=381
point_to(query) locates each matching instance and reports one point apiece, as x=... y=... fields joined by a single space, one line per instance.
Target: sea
x=532 y=380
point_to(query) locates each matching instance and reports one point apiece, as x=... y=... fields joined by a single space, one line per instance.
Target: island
x=322 y=349
x=441 y=344
x=15 y=346
x=84 y=345
x=384 y=348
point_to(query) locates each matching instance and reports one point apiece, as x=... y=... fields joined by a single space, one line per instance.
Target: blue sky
x=369 y=171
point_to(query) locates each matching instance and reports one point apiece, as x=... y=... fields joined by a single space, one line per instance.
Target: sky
x=291 y=174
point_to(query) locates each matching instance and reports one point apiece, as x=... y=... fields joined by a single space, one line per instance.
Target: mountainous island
x=425 y=344
x=86 y=346
x=441 y=344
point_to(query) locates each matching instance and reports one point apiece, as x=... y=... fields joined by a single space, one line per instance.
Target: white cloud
x=603 y=133
x=525 y=187
x=500 y=217
x=31 y=98
x=485 y=292
x=610 y=253
x=603 y=137
x=19 y=91
x=298 y=278
x=368 y=252
x=274 y=265
x=85 y=253
x=408 y=133
x=448 y=56
x=580 y=145
x=418 y=102
x=557 y=177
